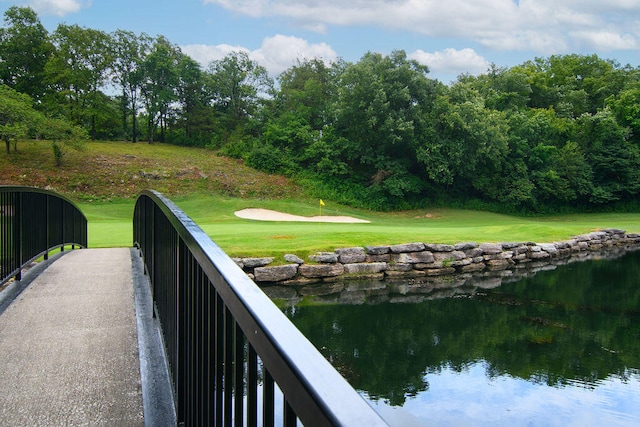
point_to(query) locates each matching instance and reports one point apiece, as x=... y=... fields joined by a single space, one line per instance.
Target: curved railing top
x=292 y=360
x=33 y=222
x=25 y=189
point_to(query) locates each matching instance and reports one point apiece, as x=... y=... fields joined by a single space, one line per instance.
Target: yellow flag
x=321 y=202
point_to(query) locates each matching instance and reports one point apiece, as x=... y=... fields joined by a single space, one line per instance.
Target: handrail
x=219 y=327
x=34 y=222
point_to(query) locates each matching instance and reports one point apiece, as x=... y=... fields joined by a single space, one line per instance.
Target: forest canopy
x=551 y=134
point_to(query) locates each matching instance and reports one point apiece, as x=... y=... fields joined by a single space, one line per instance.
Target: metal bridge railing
x=234 y=357
x=33 y=222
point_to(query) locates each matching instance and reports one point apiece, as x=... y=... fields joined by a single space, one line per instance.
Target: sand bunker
x=269 y=215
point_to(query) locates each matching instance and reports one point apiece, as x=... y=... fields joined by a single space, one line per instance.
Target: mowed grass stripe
x=110 y=225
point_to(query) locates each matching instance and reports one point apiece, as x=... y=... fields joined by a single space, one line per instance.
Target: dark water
x=559 y=348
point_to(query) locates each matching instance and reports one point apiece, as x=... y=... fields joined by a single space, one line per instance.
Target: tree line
x=550 y=134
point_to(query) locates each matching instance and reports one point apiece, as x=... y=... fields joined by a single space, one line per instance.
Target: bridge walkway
x=69 y=345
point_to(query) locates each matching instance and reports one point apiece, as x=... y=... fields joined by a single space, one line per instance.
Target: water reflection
x=471 y=399
x=540 y=350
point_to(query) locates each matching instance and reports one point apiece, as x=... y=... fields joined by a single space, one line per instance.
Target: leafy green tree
x=501 y=88
x=533 y=133
x=195 y=119
x=16 y=116
x=299 y=114
x=160 y=79
x=625 y=105
x=24 y=51
x=130 y=51
x=572 y=84
x=467 y=145
x=237 y=85
x=18 y=119
x=614 y=160
x=561 y=175
x=306 y=89
x=380 y=115
x=77 y=71
x=63 y=136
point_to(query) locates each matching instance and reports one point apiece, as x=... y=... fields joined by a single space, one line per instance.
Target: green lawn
x=110 y=225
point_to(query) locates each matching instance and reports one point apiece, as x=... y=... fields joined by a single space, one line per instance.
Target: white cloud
x=452 y=61
x=541 y=25
x=280 y=52
x=204 y=54
x=607 y=40
x=276 y=53
x=58 y=7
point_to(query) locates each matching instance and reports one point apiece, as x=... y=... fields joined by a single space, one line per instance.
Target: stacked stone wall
x=325 y=272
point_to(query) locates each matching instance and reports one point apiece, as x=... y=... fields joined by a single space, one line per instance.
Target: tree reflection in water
x=578 y=324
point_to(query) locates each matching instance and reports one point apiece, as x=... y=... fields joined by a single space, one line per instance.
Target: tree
x=561 y=175
x=24 y=51
x=237 y=85
x=78 y=70
x=129 y=52
x=572 y=84
x=306 y=90
x=625 y=105
x=614 y=160
x=160 y=79
x=467 y=144
x=380 y=113
x=502 y=88
x=63 y=136
x=299 y=114
x=195 y=118
x=16 y=116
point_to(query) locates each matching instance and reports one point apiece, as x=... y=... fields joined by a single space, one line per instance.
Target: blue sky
x=450 y=36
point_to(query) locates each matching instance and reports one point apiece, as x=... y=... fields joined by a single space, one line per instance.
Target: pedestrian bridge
x=168 y=332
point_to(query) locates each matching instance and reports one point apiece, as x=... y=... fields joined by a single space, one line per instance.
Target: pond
x=561 y=347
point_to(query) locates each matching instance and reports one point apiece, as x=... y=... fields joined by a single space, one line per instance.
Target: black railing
x=34 y=222
x=234 y=357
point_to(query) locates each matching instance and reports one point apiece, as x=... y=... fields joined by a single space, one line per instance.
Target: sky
x=451 y=37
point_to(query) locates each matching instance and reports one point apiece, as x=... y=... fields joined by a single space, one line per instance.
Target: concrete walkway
x=69 y=346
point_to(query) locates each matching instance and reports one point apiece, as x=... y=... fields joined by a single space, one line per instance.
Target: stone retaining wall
x=327 y=270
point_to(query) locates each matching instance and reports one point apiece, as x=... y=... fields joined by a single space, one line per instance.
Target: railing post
x=18 y=237
x=63 y=227
x=46 y=254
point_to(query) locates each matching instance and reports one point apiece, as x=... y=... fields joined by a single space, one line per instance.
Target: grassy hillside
x=106 y=171
x=105 y=178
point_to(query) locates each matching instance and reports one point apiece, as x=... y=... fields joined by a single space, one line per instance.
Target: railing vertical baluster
x=219 y=360
x=239 y=376
x=63 y=236
x=205 y=351
x=228 y=367
x=185 y=296
x=268 y=399
x=196 y=343
x=46 y=255
x=252 y=386
x=19 y=233
x=288 y=415
x=4 y=220
x=179 y=305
